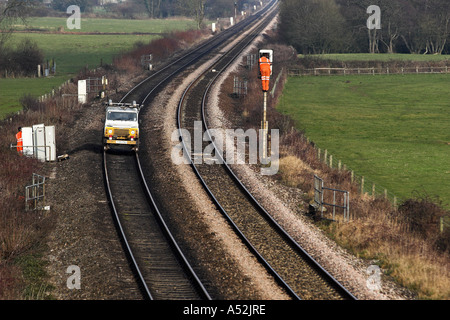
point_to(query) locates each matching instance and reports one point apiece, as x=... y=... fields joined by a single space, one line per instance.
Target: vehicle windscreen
x=121 y=116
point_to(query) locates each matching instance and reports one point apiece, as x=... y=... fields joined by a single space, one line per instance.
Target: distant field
x=392 y=129
x=110 y=25
x=383 y=57
x=72 y=51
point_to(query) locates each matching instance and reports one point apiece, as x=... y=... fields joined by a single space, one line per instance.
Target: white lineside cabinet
x=27 y=136
x=39 y=141
x=50 y=143
x=82 y=92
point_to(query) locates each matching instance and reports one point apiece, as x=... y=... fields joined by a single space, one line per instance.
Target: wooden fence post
x=362 y=185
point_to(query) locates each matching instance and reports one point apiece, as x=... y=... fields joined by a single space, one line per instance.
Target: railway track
x=159 y=263
x=297 y=272
x=160 y=266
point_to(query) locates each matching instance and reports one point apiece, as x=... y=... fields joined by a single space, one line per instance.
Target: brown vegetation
x=23 y=231
x=160 y=49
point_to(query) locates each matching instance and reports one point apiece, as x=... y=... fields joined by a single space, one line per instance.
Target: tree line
x=407 y=26
x=158 y=8
x=141 y=9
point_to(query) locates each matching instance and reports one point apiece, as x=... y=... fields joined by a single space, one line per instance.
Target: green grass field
x=392 y=129
x=73 y=51
x=109 y=25
x=11 y=90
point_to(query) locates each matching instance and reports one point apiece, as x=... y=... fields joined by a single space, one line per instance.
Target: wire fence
x=366 y=187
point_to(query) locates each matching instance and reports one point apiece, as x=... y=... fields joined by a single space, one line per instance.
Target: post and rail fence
x=340 y=199
x=366 y=71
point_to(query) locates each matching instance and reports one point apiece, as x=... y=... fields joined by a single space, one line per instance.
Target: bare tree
x=153 y=7
x=427 y=29
x=355 y=13
x=11 y=12
x=313 y=26
x=195 y=8
x=436 y=25
x=392 y=21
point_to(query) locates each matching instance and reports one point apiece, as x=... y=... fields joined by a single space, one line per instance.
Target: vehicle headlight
x=132 y=132
x=110 y=131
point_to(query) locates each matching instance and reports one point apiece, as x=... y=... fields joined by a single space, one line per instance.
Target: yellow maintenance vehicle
x=121 y=125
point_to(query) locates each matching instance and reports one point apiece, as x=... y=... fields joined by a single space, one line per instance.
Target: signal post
x=265 y=70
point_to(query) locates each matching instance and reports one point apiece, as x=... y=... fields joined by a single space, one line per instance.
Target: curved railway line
x=158 y=262
x=157 y=259
x=295 y=270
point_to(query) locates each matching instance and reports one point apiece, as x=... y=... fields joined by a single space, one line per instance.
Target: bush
x=28 y=56
x=29 y=102
x=421 y=216
x=159 y=48
x=22 y=60
x=442 y=242
x=6 y=55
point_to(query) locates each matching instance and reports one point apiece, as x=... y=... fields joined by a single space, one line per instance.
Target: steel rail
x=146 y=291
x=191 y=58
x=311 y=261
x=343 y=291
x=163 y=224
x=260 y=258
x=179 y=252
